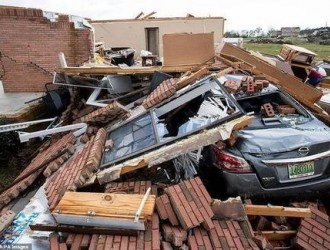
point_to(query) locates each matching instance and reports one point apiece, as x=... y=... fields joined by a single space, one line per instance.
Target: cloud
x=240 y=14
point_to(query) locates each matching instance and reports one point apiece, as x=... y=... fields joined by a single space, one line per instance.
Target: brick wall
x=29 y=47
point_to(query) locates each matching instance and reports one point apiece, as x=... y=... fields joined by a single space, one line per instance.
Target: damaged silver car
x=282 y=154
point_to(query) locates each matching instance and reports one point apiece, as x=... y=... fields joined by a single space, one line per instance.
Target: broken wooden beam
x=279 y=234
x=185 y=80
x=278 y=211
x=125 y=71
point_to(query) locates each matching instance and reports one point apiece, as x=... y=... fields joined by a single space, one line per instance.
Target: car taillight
x=230 y=162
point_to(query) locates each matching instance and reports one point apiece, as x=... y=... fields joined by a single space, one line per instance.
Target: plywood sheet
x=187 y=49
x=105 y=205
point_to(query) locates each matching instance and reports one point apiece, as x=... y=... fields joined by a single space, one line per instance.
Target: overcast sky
x=240 y=14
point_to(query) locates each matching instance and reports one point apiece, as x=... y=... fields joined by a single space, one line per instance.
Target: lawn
x=322 y=51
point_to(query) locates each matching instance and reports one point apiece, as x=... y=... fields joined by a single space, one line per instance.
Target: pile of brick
x=314 y=233
x=32 y=171
x=229 y=234
x=113 y=111
x=191 y=203
x=248 y=84
x=77 y=171
x=160 y=232
x=165 y=90
x=131 y=187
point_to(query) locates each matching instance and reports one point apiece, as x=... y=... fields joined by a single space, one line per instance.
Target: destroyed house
x=146 y=34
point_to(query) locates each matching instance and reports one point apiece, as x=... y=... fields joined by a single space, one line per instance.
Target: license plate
x=301 y=169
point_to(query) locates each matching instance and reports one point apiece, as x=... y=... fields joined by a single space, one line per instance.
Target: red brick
x=315 y=243
x=186 y=205
x=320 y=233
x=238 y=243
x=304 y=244
x=161 y=208
x=311 y=235
x=54 y=244
x=124 y=243
x=319 y=213
x=231 y=229
x=302 y=236
x=108 y=242
x=179 y=208
x=192 y=243
x=229 y=238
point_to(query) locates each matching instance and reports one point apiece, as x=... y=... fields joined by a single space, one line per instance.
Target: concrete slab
x=11 y=103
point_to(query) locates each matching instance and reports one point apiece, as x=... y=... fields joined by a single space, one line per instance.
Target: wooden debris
x=126 y=70
x=277 y=211
x=108 y=205
x=188 y=79
x=279 y=234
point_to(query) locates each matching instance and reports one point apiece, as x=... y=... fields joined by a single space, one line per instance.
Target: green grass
x=322 y=51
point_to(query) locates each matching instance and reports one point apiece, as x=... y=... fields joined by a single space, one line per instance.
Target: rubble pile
x=136 y=178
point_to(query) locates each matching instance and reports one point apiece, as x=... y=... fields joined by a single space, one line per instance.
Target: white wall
x=131 y=33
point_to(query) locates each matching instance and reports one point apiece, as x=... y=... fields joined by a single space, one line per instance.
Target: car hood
x=278 y=140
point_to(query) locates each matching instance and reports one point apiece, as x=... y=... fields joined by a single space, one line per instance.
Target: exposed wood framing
x=279 y=235
x=166 y=153
x=128 y=70
x=278 y=211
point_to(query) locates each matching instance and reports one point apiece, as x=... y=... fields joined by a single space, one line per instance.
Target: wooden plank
x=184 y=81
x=105 y=205
x=125 y=71
x=278 y=211
x=279 y=235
